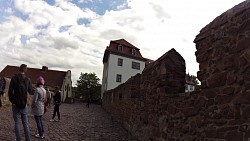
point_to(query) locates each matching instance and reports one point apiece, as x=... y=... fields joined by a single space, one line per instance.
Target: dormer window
x=133 y=52
x=120 y=48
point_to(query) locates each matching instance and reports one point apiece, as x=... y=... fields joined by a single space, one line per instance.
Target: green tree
x=88 y=86
x=195 y=79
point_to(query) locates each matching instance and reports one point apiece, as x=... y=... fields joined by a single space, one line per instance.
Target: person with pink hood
x=38 y=106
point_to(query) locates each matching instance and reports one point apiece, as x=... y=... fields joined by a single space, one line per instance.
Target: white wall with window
x=189 y=88
x=113 y=68
x=104 y=78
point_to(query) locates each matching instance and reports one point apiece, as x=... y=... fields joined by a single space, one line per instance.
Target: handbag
x=45 y=107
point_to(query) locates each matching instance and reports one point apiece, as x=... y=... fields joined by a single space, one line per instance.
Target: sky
x=73 y=34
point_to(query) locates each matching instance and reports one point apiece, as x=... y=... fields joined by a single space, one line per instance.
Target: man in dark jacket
x=57 y=102
x=15 y=95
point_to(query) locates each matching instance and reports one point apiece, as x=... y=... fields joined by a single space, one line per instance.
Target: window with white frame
x=136 y=65
x=118 y=78
x=120 y=62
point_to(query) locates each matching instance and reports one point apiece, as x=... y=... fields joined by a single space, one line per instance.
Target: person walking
x=48 y=94
x=88 y=101
x=38 y=106
x=57 y=102
x=20 y=85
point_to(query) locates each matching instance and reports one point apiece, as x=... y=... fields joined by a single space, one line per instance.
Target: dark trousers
x=49 y=102
x=56 y=111
x=88 y=103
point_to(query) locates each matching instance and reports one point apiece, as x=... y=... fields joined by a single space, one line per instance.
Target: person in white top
x=48 y=94
x=38 y=106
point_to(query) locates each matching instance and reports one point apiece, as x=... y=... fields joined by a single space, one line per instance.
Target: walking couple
x=20 y=85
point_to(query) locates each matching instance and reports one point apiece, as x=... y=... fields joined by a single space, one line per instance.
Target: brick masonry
x=152 y=106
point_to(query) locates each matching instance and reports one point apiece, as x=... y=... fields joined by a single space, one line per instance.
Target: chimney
x=44 y=68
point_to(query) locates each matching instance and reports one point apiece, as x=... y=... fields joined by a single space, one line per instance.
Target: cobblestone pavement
x=78 y=123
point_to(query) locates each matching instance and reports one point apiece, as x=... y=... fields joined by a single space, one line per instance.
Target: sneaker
x=51 y=120
x=41 y=137
x=57 y=120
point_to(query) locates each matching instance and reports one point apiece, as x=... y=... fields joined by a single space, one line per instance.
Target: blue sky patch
x=24 y=38
x=4 y=5
x=50 y=2
x=21 y=15
x=82 y=21
x=100 y=6
x=64 y=28
x=43 y=26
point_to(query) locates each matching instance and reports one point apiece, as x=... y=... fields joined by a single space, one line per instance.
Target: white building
x=190 y=83
x=121 y=60
x=189 y=87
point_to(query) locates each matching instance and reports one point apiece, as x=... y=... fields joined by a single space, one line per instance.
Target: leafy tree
x=88 y=86
x=195 y=79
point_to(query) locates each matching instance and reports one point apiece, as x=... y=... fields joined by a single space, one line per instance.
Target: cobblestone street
x=78 y=123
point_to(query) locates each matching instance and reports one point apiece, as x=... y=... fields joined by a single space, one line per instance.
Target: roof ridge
x=128 y=44
x=37 y=68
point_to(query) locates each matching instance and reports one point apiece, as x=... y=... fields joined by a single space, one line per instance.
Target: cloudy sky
x=73 y=34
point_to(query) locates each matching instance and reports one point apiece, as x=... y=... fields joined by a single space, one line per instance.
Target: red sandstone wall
x=141 y=103
x=223 y=52
x=153 y=106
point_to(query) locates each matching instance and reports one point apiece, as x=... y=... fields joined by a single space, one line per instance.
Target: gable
x=126 y=51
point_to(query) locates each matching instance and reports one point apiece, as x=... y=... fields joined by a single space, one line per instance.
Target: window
x=118 y=78
x=120 y=62
x=136 y=65
x=191 y=88
x=120 y=48
x=133 y=51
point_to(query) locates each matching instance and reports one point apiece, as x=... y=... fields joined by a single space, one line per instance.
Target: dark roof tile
x=52 y=77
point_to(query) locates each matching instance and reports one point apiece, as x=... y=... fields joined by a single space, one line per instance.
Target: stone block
x=234 y=136
x=217 y=80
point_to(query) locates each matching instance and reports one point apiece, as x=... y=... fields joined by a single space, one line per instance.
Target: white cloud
x=154 y=26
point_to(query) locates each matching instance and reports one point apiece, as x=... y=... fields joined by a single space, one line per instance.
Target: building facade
x=121 y=61
x=52 y=78
x=190 y=85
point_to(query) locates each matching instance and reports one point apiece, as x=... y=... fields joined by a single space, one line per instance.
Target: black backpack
x=20 y=94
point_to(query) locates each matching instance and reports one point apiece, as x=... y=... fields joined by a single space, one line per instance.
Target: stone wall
x=223 y=52
x=153 y=106
x=5 y=97
x=144 y=101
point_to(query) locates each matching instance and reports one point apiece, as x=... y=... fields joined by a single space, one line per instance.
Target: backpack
x=20 y=95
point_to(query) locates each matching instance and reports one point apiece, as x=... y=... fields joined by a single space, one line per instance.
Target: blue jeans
x=39 y=124
x=21 y=114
